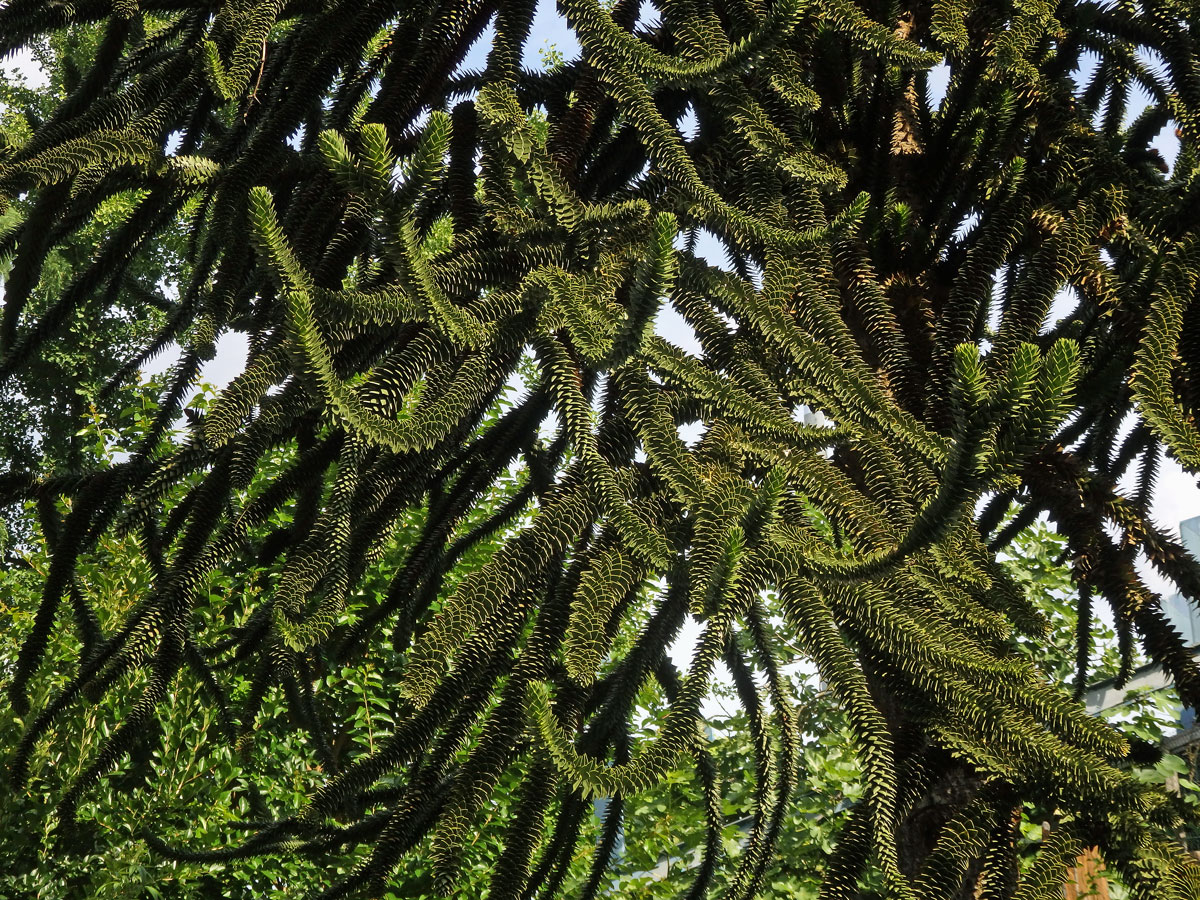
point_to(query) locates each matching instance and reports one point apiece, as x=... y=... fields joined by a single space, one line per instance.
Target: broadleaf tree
x=979 y=292
x=201 y=787
x=48 y=400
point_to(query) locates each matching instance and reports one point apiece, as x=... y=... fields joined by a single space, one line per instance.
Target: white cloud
x=1176 y=498
x=23 y=62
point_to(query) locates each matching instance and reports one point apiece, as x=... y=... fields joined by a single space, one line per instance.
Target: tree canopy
x=981 y=292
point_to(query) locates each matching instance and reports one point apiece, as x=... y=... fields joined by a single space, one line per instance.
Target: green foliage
x=401 y=240
x=216 y=780
x=89 y=327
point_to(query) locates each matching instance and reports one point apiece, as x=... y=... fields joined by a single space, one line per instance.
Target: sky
x=1175 y=498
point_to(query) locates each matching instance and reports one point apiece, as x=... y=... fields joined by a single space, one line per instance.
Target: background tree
x=418 y=238
x=180 y=782
x=50 y=398
x=201 y=787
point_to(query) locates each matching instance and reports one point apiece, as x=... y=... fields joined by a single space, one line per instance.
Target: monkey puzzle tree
x=398 y=235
